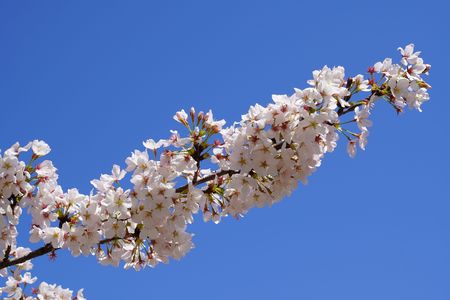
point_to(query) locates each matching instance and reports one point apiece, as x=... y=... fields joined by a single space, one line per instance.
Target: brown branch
x=7 y=252
x=342 y=111
x=206 y=179
x=109 y=240
x=39 y=252
x=33 y=254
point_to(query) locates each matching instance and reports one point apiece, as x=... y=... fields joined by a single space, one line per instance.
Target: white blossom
x=40 y=148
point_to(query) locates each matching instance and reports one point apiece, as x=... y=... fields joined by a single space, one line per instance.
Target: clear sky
x=96 y=78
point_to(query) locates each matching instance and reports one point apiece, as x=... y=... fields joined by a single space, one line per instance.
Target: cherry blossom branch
x=48 y=248
x=35 y=253
x=263 y=157
x=205 y=179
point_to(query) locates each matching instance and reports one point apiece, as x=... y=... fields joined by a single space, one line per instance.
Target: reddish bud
x=52 y=255
x=318 y=139
x=192 y=113
x=200 y=116
x=215 y=129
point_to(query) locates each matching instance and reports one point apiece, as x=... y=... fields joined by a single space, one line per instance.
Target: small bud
x=215 y=218
x=351 y=148
x=52 y=255
x=423 y=84
x=206 y=215
x=215 y=129
x=192 y=114
x=200 y=116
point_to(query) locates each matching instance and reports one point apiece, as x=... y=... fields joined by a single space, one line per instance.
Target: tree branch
x=342 y=111
x=33 y=254
x=206 y=179
x=49 y=248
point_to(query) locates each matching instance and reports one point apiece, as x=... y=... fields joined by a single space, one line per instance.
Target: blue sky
x=96 y=78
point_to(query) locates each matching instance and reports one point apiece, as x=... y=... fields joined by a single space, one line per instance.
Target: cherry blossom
x=255 y=162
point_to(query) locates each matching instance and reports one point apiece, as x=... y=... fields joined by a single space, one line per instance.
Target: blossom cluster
x=17 y=283
x=253 y=163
